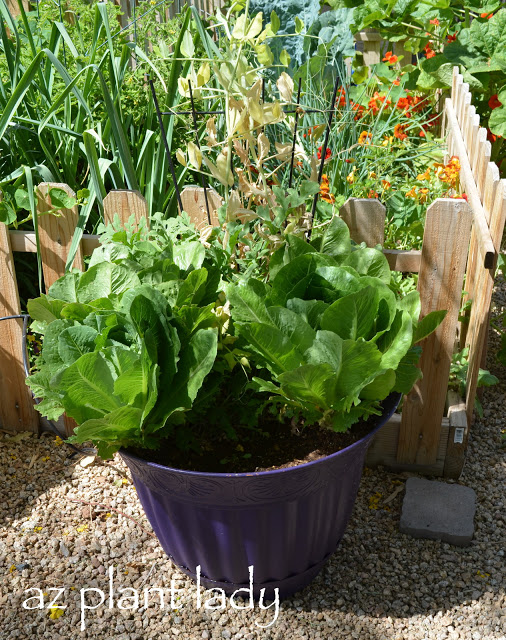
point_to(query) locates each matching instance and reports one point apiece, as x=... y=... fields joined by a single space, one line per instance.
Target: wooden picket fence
x=460 y=239
x=373 y=48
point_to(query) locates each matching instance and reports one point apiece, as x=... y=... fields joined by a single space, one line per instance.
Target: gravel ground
x=380 y=585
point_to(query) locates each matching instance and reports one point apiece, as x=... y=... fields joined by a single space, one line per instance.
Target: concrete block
x=438 y=511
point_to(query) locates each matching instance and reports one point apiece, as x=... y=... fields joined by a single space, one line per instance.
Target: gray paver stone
x=438 y=511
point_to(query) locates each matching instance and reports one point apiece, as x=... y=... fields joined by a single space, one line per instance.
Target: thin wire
x=324 y=152
x=300 y=110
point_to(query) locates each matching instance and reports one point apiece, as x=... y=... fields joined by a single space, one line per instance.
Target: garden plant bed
x=429 y=436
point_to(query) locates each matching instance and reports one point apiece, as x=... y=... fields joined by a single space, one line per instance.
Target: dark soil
x=279 y=445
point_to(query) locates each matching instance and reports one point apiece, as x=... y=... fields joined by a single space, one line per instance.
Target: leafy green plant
x=128 y=346
x=441 y=35
x=328 y=329
x=128 y=343
x=458 y=377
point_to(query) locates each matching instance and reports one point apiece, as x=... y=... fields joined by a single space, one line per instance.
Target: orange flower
x=325 y=190
x=494 y=102
x=402 y=103
x=423 y=176
x=386 y=185
x=434 y=21
x=341 y=98
x=450 y=172
x=411 y=193
x=429 y=52
x=422 y=134
x=396 y=82
x=423 y=194
x=390 y=58
x=372 y=194
x=486 y=15
x=451 y=38
x=491 y=137
x=359 y=109
x=365 y=137
x=399 y=132
x=328 y=153
x=454 y=162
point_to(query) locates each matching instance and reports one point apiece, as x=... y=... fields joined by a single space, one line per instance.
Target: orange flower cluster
x=486 y=15
x=309 y=131
x=449 y=173
x=328 y=153
x=411 y=104
x=359 y=109
x=451 y=38
x=376 y=101
x=429 y=51
x=365 y=138
x=325 y=190
x=422 y=195
x=399 y=131
x=435 y=21
x=341 y=102
x=390 y=58
x=341 y=98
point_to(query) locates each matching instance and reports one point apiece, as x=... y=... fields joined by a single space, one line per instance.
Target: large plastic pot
x=286 y=523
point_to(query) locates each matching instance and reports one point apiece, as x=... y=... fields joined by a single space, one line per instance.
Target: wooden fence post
x=55 y=234
x=125 y=203
x=194 y=204
x=444 y=253
x=399 y=50
x=16 y=405
x=365 y=219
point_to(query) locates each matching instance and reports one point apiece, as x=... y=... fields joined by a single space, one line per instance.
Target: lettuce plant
x=331 y=334
x=128 y=343
x=139 y=347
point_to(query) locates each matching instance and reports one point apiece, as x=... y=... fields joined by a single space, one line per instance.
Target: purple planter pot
x=285 y=523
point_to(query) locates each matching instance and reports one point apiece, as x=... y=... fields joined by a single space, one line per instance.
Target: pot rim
x=217 y=474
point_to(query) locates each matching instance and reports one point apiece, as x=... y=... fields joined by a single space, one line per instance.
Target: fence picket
x=479 y=318
x=365 y=219
x=194 y=203
x=55 y=234
x=16 y=404
x=444 y=253
x=125 y=203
